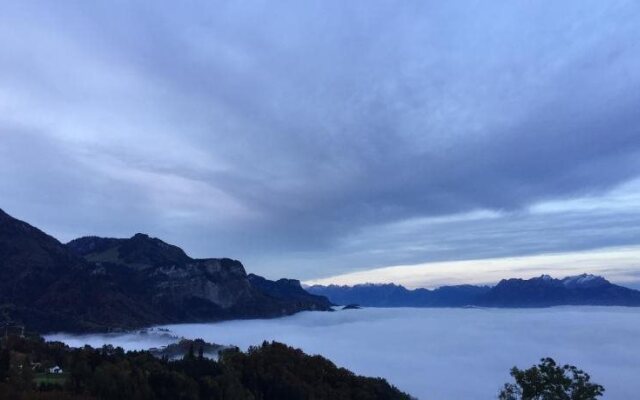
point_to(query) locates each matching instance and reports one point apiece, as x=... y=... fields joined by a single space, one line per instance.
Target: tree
x=5 y=363
x=191 y=354
x=549 y=381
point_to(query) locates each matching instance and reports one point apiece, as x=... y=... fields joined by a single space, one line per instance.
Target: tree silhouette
x=549 y=381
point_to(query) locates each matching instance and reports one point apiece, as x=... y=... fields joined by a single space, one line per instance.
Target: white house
x=55 y=370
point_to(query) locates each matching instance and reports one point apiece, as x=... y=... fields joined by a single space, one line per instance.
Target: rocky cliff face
x=222 y=282
x=97 y=283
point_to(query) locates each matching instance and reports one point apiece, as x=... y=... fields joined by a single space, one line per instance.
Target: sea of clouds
x=436 y=353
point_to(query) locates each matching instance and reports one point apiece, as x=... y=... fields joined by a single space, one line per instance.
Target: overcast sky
x=312 y=139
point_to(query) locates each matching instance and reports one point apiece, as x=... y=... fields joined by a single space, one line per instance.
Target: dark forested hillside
x=272 y=371
x=47 y=287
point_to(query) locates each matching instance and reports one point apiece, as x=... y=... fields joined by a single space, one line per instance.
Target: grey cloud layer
x=274 y=133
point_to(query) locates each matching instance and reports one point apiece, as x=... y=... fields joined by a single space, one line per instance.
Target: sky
x=322 y=138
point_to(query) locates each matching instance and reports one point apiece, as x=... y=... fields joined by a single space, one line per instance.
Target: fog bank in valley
x=438 y=353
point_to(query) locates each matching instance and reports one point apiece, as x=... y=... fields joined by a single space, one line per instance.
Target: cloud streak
x=620 y=265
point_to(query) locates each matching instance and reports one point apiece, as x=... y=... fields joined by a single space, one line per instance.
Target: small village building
x=55 y=370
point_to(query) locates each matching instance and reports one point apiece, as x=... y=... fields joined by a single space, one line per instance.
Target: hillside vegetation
x=272 y=371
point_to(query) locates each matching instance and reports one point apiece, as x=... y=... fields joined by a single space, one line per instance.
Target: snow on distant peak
x=584 y=280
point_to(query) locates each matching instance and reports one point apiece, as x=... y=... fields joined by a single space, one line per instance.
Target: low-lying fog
x=437 y=353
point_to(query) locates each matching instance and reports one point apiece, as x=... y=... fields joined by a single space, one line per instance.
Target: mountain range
x=105 y=284
x=100 y=284
x=543 y=291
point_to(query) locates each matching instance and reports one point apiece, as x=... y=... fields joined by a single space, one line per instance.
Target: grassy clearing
x=45 y=378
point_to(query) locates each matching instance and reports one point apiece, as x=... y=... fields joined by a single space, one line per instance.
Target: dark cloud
x=275 y=133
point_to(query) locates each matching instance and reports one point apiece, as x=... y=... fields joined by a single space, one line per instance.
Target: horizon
x=452 y=273
x=421 y=143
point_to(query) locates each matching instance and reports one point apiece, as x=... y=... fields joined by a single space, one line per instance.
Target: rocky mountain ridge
x=97 y=284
